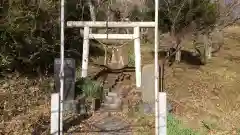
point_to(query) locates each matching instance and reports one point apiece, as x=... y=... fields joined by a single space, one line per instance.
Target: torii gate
x=87 y=25
x=160 y=109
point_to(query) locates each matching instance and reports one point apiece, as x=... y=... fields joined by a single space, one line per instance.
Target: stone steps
x=112 y=102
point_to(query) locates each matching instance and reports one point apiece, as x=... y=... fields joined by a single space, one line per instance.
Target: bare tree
x=184 y=18
x=92 y=10
x=229 y=12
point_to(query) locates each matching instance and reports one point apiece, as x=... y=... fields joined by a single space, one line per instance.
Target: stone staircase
x=114 y=93
x=112 y=102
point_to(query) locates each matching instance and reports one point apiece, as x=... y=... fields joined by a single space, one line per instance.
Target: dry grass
x=25 y=105
x=210 y=93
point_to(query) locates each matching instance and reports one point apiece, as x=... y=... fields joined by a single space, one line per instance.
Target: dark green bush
x=30 y=35
x=90 y=88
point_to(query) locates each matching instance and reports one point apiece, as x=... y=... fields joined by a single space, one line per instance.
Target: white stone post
x=55 y=109
x=162 y=113
x=85 y=51
x=137 y=52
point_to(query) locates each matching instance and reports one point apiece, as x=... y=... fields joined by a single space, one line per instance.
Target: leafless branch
x=178 y=13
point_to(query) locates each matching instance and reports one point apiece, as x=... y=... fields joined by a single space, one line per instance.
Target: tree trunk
x=92 y=10
x=178 y=55
x=207 y=46
x=176 y=45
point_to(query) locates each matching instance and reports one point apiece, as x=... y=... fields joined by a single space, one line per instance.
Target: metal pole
x=156 y=71
x=62 y=67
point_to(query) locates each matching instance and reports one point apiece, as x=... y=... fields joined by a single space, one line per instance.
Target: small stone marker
x=148 y=89
x=69 y=82
x=148 y=83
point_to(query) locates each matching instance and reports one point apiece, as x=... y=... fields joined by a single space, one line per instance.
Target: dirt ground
x=208 y=96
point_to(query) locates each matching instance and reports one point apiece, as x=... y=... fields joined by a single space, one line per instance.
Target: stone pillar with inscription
x=69 y=105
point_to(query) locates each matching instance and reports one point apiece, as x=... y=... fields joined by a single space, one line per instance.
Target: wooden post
x=161 y=75
x=85 y=52
x=55 y=109
x=105 y=55
x=137 y=52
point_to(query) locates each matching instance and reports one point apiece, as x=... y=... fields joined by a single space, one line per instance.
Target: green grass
x=174 y=127
x=90 y=88
x=238 y=131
